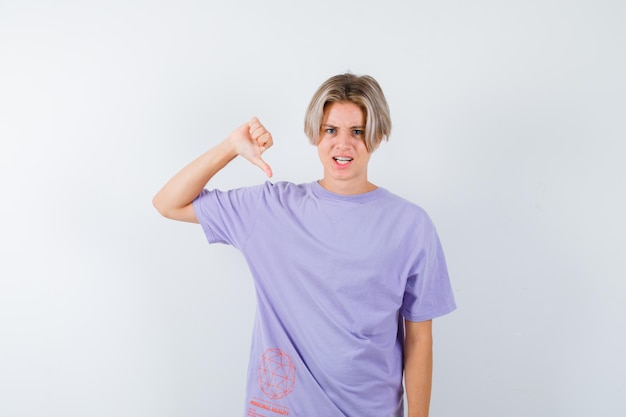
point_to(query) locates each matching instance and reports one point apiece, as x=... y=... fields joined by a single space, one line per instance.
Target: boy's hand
x=250 y=140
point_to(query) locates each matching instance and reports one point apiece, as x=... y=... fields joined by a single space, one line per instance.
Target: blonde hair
x=362 y=90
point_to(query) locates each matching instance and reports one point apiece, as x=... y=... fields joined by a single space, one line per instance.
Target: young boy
x=348 y=276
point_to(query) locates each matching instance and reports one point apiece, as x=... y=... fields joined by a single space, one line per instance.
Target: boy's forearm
x=187 y=184
x=418 y=369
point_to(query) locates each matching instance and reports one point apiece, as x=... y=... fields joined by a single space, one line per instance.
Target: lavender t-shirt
x=334 y=275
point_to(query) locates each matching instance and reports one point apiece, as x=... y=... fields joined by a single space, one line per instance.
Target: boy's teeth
x=342 y=160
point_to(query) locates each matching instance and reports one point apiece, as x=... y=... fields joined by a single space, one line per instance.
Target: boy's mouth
x=342 y=160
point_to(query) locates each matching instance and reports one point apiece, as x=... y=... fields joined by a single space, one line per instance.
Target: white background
x=509 y=129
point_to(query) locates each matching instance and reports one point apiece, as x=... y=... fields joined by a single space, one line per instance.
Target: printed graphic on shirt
x=263 y=408
x=277 y=374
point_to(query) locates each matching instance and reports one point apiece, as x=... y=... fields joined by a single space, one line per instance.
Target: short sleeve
x=228 y=216
x=428 y=293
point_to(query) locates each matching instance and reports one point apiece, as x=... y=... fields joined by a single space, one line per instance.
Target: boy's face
x=342 y=151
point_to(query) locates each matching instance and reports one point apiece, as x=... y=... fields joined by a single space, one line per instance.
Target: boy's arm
x=418 y=366
x=249 y=140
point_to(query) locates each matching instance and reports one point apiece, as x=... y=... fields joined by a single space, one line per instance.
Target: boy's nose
x=343 y=139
